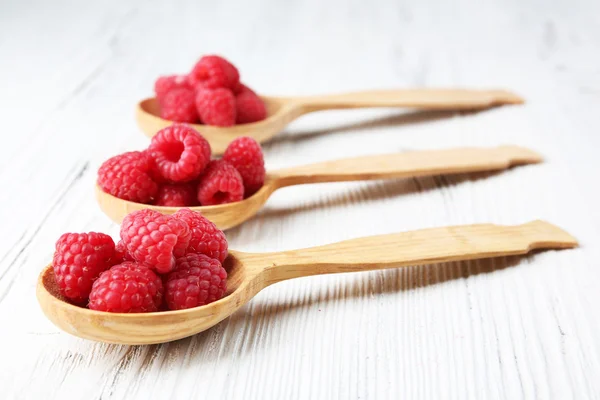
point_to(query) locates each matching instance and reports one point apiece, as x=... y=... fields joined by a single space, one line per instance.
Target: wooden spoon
x=418 y=163
x=283 y=110
x=249 y=273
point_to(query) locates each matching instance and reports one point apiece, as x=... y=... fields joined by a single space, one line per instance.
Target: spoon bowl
x=249 y=273
x=225 y=216
x=283 y=110
x=279 y=114
x=385 y=166
x=129 y=328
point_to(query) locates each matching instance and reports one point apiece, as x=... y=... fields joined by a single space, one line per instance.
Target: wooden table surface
x=528 y=327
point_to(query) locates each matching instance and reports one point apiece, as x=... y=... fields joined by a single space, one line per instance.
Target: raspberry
x=128 y=176
x=240 y=88
x=220 y=184
x=180 y=152
x=213 y=72
x=249 y=107
x=245 y=154
x=196 y=281
x=121 y=254
x=206 y=238
x=177 y=195
x=155 y=239
x=179 y=105
x=165 y=84
x=127 y=288
x=78 y=260
x=216 y=107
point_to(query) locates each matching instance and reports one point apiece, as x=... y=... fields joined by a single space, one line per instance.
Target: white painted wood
x=71 y=72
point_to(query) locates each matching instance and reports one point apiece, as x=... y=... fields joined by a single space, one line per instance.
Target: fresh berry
x=180 y=153
x=249 y=107
x=240 y=88
x=179 y=105
x=78 y=260
x=177 y=195
x=165 y=84
x=127 y=288
x=246 y=156
x=206 y=238
x=155 y=239
x=213 y=72
x=121 y=254
x=216 y=107
x=221 y=183
x=197 y=280
x=128 y=176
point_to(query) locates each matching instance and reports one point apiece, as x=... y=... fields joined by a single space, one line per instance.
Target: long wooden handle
x=433 y=99
x=418 y=163
x=416 y=248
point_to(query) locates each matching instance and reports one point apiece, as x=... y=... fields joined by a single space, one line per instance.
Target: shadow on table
x=240 y=334
x=396 y=120
x=393 y=281
x=372 y=191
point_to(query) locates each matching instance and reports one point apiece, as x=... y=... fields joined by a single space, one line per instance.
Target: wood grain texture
x=505 y=328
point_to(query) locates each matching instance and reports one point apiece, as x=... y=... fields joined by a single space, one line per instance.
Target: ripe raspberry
x=179 y=105
x=213 y=72
x=121 y=254
x=249 y=107
x=206 y=238
x=245 y=154
x=221 y=183
x=155 y=239
x=165 y=84
x=197 y=280
x=128 y=176
x=216 y=107
x=180 y=152
x=177 y=195
x=78 y=260
x=240 y=88
x=127 y=288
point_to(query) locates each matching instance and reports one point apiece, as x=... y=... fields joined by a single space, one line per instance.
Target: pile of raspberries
x=211 y=94
x=162 y=262
x=176 y=171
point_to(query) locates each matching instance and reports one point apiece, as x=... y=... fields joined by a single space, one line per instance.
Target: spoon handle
x=432 y=99
x=417 y=163
x=419 y=247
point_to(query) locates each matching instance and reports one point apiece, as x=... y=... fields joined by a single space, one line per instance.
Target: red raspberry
x=246 y=156
x=128 y=176
x=206 y=238
x=121 y=254
x=240 y=88
x=165 y=84
x=220 y=184
x=216 y=107
x=155 y=239
x=249 y=107
x=78 y=260
x=177 y=195
x=213 y=72
x=127 y=288
x=196 y=281
x=180 y=152
x=179 y=105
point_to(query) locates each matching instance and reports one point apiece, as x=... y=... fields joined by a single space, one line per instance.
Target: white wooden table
x=71 y=72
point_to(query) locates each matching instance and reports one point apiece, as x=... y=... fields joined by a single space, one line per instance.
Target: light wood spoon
x=283 y=110
x=418 y=163
x=249 y=273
